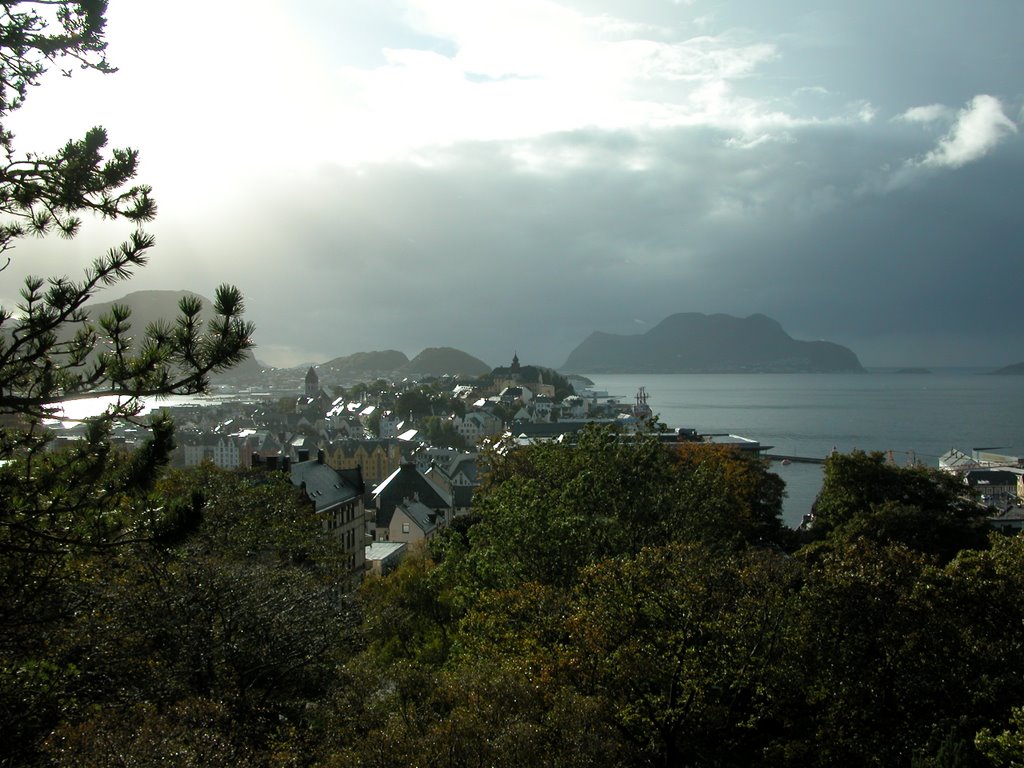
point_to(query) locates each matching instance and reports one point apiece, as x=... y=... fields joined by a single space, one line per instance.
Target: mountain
x=691 y=342
x=148 y=307
x=438 y=361
x=1017 y=369
x=368 y=365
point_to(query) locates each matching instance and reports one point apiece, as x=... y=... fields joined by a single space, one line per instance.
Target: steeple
x=312 y=383
x=515 y=362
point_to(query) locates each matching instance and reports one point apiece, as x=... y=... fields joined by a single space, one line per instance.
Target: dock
x=794 y=459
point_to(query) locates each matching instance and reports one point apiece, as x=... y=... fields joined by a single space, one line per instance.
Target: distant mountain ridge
x=1017 y=369
x=433 y=361
x=367 y=363
x=691 y=342
x=437 y=361
x=148 y=307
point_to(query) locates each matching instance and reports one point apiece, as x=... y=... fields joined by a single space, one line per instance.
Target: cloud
x=978 y=130
x=928 y=114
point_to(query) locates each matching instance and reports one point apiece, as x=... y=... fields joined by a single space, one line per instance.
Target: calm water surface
x=916 y=416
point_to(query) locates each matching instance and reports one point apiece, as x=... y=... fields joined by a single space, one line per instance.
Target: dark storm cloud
x=515 y=177
x=480 y=253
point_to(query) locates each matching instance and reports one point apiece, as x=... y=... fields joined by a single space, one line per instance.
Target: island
x=692 y=342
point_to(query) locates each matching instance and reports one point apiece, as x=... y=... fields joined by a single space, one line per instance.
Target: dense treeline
x=619 y=603
x=611 y=603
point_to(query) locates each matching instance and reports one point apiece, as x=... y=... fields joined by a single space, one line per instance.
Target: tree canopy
x=60 y=508
x=52 y=350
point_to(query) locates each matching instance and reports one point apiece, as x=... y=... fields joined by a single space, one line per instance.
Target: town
x=388 y=464
x=385 y=464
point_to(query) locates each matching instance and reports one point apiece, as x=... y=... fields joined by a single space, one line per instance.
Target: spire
x=312 y=383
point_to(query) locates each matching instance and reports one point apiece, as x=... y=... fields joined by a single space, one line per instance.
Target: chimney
x=320 y=456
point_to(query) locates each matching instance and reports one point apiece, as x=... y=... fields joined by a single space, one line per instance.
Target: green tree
x=863 y=496
x=548 y=510
x=58 y=509
x=234 y=624
x=52 y=350
x=689 y=650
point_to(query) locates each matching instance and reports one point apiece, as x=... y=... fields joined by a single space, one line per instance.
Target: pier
x=794 y=459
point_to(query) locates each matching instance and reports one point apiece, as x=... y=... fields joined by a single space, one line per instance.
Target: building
x=413 y=521
x=312 y=384
x=409 y=488
x=378 y=458
x=993 y=487
x=337 y=498
x=382 y=557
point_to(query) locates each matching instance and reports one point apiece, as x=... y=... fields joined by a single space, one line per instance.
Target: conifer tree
x=52 y=350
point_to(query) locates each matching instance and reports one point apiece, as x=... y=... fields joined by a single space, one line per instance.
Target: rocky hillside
x=1017 y=369
x=366 y=364
x=438 y=361
x=148 y=307
x=696 y=343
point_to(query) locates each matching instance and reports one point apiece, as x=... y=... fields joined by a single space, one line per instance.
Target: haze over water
x=917 y=416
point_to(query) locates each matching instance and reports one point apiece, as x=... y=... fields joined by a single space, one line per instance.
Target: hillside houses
x=409 y=506
x=411 y=487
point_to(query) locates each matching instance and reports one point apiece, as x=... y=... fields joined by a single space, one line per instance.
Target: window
x=405 y=527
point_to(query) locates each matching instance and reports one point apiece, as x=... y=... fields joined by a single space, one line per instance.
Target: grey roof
x=382 y=550
x=324 y=486
x=423 y=516
x=407 y=482
x=467 y=465
x=463 y=496
x=980 y=478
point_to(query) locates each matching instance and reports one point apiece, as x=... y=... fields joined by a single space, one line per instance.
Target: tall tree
x=59 y=506
x=51 y=349
x=864 y=497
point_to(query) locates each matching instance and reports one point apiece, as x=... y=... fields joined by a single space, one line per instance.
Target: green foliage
x=549 y=510
x=82 y=587
x=52 y=351
x=408 y=615
x=688 y=651
x=441 y=432
x=863 y=496
x=1005 y=749
x=235 y=624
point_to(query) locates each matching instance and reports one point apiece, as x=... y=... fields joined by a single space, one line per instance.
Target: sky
x=508 y=176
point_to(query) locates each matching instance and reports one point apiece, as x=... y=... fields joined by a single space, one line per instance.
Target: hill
x=368 y=365
x=148 y=307
x=438 y=361
x=692 y=342
x=1017 y=369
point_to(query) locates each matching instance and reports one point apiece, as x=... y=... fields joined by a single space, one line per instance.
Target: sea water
x=916 y=417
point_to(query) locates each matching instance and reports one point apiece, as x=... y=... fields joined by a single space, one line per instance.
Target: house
x=1010 y=521
x=337 y=498
x=476 y=425
x=411 y=489
x=378 y=458
x=382 y=557
x=412 y=521
x=459 y=479
x=992 y=487
x=574 y=407
x=390 y=425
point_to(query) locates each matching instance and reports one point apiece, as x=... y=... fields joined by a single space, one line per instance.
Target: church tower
x=312 y=383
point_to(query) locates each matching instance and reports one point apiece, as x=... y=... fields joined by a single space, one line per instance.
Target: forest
x=611 y=602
